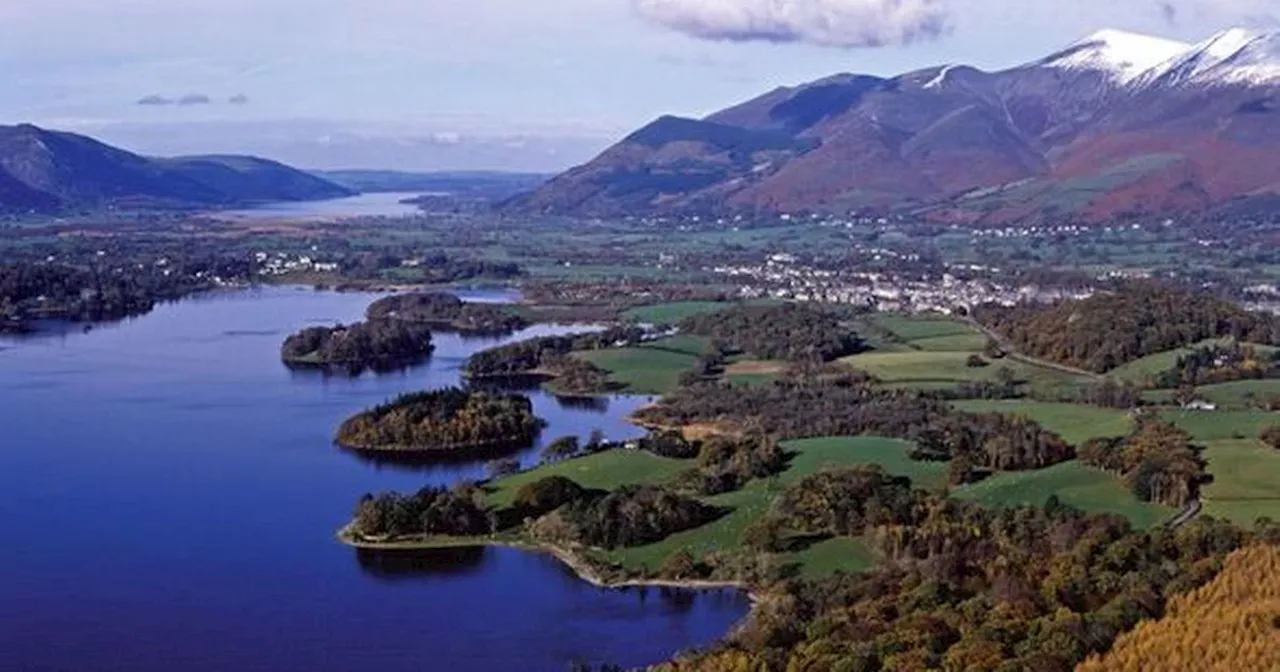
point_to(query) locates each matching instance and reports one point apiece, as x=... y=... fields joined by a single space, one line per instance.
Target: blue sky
x=491 y=83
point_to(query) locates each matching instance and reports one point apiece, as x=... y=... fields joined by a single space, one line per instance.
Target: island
x=446 y=312
x=449 y=423
x=378 y=345
x=550 y=358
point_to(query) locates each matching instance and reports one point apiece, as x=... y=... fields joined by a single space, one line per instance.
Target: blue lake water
x=362 y=205
x=170 y=493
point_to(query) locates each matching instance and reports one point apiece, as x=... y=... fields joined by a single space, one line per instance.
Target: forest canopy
x=444 y=311
x=380 y=344
x=787 y=331
x=451 y=421
x=1106 y=330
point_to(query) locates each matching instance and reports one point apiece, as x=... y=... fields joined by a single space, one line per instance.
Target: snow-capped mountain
x=1122 y=55
x=1116 y=123
x=1235 y=56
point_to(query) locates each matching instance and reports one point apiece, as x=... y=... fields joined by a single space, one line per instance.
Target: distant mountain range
x=494 y=185
x=52 y=171
x=1115 y=124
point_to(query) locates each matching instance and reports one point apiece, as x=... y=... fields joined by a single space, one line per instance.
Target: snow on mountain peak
x=1235 y=56
x=1121 y=54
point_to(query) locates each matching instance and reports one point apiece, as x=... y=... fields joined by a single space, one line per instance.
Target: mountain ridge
x=47 y=171
x=1116 y=124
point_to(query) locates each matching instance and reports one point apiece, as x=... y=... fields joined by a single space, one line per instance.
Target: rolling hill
x=51 y=171
x=1115 y=124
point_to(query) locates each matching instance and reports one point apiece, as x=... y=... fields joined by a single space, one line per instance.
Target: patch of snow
x=1122 y=55
x=940 y=78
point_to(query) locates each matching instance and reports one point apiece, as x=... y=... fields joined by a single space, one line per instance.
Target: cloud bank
x=833 y=23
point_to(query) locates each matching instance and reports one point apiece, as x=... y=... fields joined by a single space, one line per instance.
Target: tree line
x=378 y=344
x=848 y=406
x=1105 y=331
x=90 y=293
x=545 y=354
x=444 y=311
x=1157 y=461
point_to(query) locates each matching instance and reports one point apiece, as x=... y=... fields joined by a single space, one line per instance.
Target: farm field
x=931 y=368
x=1246 y=481
x=652 y=368
x=1079 y=485
x=1221 y=425
x=916 y=327
x=1139 y=369
x=1076 y=423
x=670 y=313
x=1235 y=395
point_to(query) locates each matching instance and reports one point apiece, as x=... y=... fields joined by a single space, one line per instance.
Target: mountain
x=489 y=184
x=49 y=171
x=1114 y=124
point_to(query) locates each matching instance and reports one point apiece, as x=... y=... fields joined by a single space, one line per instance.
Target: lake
x=171 y=495
x=362 y=205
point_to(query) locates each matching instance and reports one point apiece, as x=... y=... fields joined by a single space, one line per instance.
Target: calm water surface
x=170 y=494
x=362 y=205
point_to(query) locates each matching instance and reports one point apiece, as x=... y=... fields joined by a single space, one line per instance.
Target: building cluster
x=884 y=290
x=281 y=263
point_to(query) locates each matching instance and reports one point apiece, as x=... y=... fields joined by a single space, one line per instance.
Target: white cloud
x=837 y=23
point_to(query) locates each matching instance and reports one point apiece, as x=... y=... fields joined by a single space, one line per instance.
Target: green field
x=604 y=471
x=1081 y=486
x=973 y=342
x=1236 y=395
x=1221 y=425
x=1246 y=481
x=951 y=368
x=917 y=327
x=1076 y=423
x=652 y=368
x=838 y=554
x=814 y=455
x=753 y=502
x=1138 y=370
x=670 y=313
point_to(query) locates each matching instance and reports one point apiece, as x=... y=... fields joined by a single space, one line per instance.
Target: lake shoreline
x=582 y=568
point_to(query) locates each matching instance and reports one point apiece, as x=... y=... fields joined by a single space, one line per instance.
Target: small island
x=446 y=312
x=452 y=423
x=377 y=345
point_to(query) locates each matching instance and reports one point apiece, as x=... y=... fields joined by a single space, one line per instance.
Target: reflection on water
x=420 y=563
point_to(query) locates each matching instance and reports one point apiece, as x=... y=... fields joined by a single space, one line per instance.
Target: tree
x=680 y=564
x=975 y=361
x=962 y=470
x=1271 y=436
x=503 y=467
x=764 y=534
x=560 y=449
x=595 y=440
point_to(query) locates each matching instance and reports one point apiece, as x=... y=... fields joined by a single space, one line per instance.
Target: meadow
x=1076 y=423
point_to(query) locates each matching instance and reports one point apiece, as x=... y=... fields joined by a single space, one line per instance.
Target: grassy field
x=1139 y=369
x=1236 y=395
x=1076 y=423
x=652 y=368
x=754 y=501
x=670 y=313
x=1246 y=481
x=1221 y=425
x=814 y=455
x=838 y=554
x=1079 y=485
x=931 y=368
x=605 y=471
x=973 y=342
x=917 y=327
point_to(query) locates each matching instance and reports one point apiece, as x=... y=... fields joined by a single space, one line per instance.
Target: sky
x=532 y=85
